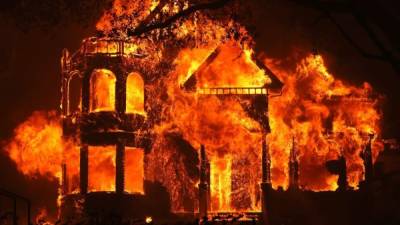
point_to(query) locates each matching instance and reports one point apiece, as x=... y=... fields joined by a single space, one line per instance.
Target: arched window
x=74 y=94
x=135 y=94
x=102 y=90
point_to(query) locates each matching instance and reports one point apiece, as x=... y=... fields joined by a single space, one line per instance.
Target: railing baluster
x=233 y=91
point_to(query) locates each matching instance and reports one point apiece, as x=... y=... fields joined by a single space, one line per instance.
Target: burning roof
x=229 y=65
x=201 y=53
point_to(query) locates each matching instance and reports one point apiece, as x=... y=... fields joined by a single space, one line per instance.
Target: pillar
x=266 y=178
x=120 y=168
x=203 y=185
x=266 y=175
x=64 y=179
x=367 y=157
x=84 y=169
x=293 y=167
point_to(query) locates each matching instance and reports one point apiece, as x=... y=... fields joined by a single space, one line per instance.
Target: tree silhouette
x=379 y=25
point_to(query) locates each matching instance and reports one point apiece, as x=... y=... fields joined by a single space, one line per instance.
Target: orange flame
x=102 y=90
x=102 y=169
x=37 y=146
x=221 y=173
x=39 y=149
x=327 y=119
x=135 y=94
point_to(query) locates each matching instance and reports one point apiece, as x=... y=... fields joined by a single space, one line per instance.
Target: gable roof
x=231 y=66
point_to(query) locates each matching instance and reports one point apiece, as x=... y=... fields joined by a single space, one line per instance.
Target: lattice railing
x=109 y=47
x=233 y=91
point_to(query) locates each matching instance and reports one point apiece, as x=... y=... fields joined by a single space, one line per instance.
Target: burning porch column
x=64 y=179
x=203 y=185
x=367 y=157
x=266 y=162
x=266 y=177
x=84 y=169
x=120 y=168
x=293 y=167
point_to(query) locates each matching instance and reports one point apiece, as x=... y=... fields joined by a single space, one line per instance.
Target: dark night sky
x=30 y=71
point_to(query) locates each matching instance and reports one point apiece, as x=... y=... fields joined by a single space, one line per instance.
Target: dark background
x=34 y=32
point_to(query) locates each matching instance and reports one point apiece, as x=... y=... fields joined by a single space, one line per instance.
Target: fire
x=42 y=217
x=102 y=169
x=134 y=174
x=232 y=67
x=102 y=90
x=327 y=118
x=135 y=94
x=221 y=173
x=139 y=10
x=231 y=138
x=37 y=145
x=39 y=149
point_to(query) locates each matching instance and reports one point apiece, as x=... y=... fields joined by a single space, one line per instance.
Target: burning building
x=112 y=121
x=189 y=120
x=114 y=128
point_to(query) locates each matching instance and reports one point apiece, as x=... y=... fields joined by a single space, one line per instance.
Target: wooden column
x=203 y=185
x=84 y=169
x=120 y=168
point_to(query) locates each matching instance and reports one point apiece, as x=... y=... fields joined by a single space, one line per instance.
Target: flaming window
x=134 y=173
x=74 y=94
x=102 y=90
x=135 y=94
x=102 y=168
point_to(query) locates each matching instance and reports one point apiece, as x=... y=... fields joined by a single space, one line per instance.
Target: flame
x=220 y=177
x=148 y=219
x=124 y=13
x=232 y=67
x=327 y=118
x=42 y=217
x=134 y=170
x=135 y=94
x=230 y=136
x=102 y=90
x=38 y=147
x=102 y=168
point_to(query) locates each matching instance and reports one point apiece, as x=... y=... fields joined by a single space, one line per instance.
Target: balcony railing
x=233 y=91
x=108 y=47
